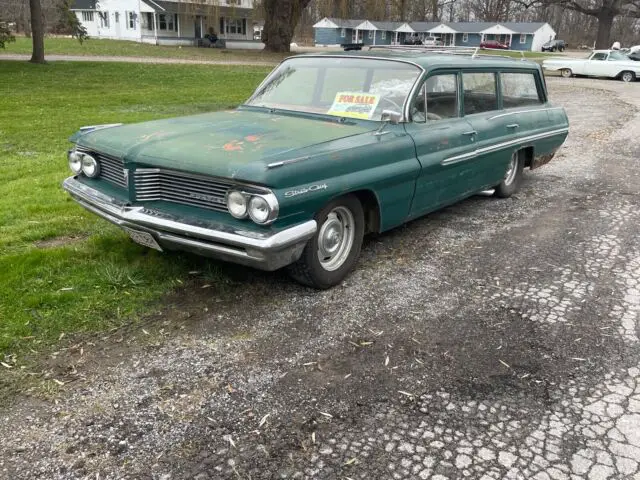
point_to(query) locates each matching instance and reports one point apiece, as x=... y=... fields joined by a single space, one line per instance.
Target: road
x=493 y=339
x=106 y=58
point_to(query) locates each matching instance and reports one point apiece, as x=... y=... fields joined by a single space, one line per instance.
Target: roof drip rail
x=474 y=52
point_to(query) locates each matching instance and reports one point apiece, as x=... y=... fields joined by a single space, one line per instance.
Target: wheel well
x=369 y=203
x=527 y=154
x=624 y=71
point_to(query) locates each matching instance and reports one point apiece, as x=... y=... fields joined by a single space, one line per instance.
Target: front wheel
x=628 y=77
x=334 y=250
x=512 y=177
x=566 y=72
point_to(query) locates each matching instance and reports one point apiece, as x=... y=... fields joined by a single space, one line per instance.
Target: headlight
x=75 y=161
x=237 y=204
x=90 y=166
x=263 y=208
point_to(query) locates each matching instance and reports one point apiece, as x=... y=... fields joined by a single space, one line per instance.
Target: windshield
x=340 y=86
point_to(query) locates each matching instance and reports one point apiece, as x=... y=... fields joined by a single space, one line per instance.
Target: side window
x=519 y=90
x=441 y=93
x=599 y=56
x=479 y=92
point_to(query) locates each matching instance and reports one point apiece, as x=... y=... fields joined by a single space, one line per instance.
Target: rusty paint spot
x=252 y=138
x=149 y=136
x=233 y=146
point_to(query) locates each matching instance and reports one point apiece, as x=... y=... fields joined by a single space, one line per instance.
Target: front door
x=356 y=36
x=442 y=143
x=197 y=26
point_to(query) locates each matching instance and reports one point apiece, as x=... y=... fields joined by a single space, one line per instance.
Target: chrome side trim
x=518 y=112
x=500 y=146
x=91 y=128
x=287 y=162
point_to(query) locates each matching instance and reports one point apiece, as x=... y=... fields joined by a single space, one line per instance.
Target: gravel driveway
x=493 y=339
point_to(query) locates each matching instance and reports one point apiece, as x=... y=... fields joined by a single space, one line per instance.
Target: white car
x=600 y=63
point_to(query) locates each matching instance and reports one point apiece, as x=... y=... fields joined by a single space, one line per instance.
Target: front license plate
x=143 y=238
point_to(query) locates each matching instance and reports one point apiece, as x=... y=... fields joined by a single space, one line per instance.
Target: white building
x=164 y=22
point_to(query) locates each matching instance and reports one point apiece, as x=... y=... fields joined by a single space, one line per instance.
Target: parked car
x=329 y=148
x=635 y=56
x=412 y=40
x=432 y=41
x=493 y=44
x=599 y=63
x=554 y=45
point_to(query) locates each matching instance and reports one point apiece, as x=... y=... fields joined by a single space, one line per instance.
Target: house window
x=87 y=16
x=104 y=19
x=465 y=37
x=343 y=32
x=370 y=34
x=523 y=38
x=131 y=20
x=147 y=21
x=117 y=17
x=167 y=21
x=235 y=26
x=384 y=34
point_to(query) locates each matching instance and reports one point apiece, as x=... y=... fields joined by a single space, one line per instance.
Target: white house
x=164 y=22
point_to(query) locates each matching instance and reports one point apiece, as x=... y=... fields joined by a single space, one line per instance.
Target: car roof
x=430 y=60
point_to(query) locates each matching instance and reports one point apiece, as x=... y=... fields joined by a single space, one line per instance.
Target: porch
x=179 y=23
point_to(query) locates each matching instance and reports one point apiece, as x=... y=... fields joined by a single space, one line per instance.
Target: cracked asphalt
x=493 y=339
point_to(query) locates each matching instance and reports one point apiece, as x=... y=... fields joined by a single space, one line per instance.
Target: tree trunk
x=37 y=31
x=280 y=20
x=605 y=21
x=434 y=10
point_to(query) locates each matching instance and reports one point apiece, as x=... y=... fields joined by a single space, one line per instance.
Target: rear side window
x=479 y=92
x=519 y=90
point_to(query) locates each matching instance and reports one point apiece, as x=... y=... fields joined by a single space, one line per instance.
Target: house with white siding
x=518 y=35
x=168 y=22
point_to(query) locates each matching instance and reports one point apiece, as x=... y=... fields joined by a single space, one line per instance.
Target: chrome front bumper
x=265 y=251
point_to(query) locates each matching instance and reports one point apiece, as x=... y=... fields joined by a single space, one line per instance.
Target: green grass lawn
x=122 y=48
x=63 y=270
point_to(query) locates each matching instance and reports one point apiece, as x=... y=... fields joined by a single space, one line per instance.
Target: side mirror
x=391 y=116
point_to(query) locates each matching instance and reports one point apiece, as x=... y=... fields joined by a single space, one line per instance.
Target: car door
x=481 y=109
x=441 y=136
x=597 y=65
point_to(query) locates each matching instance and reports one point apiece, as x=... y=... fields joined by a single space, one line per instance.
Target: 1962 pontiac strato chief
x=328 y=148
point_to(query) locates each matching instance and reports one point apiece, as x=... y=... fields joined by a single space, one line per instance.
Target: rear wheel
x=566 y=72
x=627 y=76
x=334 y=250
x=512 y=177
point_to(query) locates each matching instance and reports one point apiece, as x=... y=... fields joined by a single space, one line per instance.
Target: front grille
x=111 y=168
x=187 y=189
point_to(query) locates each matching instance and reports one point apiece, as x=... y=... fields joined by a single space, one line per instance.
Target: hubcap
x=335 y=238
x=511 y=170
x=626 y=77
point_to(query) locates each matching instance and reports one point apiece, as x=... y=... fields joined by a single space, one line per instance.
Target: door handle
x=471 y=132
x=513 y=125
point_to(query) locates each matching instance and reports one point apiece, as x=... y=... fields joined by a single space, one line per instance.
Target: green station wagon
x=329 y=148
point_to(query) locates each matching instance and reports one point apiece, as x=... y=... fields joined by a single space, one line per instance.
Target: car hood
x=224 y=144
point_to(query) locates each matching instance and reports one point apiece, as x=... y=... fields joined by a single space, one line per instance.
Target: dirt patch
x=60 y=241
